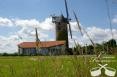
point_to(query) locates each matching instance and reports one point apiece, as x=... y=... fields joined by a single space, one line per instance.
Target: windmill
x=62 y=23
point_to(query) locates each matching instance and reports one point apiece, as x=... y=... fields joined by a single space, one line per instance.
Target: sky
x=18 y=18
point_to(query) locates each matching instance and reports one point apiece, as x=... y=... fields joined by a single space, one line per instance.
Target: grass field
x=54 y=66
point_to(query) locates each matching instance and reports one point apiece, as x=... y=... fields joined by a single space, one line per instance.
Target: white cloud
x=27 y=23
x=8 y=44
x=74 y=26
x=44 y=25
x=47 y=24
x=114 y=20
x=5 y=22
x=27 y=33
x=98 y=35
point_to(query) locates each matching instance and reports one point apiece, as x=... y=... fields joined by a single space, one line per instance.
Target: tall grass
x=49 y=66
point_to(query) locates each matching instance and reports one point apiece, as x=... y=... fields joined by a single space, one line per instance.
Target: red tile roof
x=44 y=44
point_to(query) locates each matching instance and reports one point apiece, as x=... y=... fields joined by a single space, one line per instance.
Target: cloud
x=26 y=33
x=114 y=20
x=45 y=30
x=8 y=44
x=98 y=35
x=47 y=24
x=5 y=22
x=27 y=23
x=74 y=26
x=43 y=25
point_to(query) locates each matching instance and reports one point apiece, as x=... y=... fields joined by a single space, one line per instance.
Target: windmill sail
x=89 y=37
x=67 y=13
x=37 y=40
x=70 y=30
x=66 y=9
x=80 y=28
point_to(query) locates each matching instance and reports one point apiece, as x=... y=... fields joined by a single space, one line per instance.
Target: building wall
x=27 y=51
x=57 y=50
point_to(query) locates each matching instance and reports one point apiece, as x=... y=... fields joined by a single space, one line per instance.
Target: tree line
x=108 y=47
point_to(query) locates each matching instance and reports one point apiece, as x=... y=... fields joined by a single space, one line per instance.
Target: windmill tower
x=62 y=24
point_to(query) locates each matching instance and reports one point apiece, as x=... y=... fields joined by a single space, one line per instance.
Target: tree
x=111 y=43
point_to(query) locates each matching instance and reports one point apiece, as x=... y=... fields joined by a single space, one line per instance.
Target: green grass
x=46 y=66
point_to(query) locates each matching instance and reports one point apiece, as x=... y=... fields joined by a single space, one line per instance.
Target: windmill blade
x=79 y=27
x=67 y=13
x=70 y=30
x=37 y=39
x=89 y=37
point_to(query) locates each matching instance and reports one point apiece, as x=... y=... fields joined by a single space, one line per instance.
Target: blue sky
x=15 y=14
x=90 y=12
